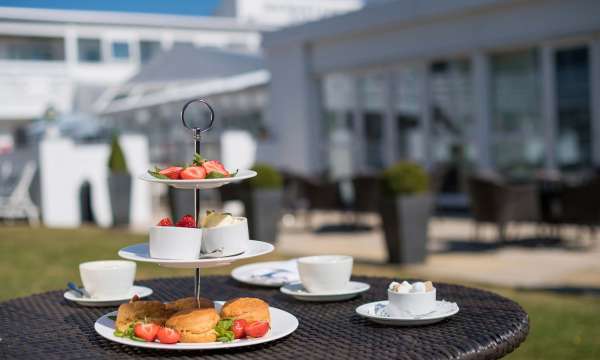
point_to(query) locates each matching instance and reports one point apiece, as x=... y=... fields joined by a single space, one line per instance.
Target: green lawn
x=35 y=260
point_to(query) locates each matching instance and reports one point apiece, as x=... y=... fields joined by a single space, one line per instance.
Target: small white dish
x=107 y=278
x=140 y=252
x=377 y=312
x=269 y=273
x=200 y=184
x=172 y=242
x=298 y=291
x=141 y=291
x=282 y=324
x=231 y=239
x=417 y=303
x=325 y=273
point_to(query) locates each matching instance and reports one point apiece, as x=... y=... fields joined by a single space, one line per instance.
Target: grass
x=36 y=260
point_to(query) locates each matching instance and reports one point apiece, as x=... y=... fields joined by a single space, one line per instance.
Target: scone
x=196 y=325
x=188 y=303
x=249 y=309
x=134 y=311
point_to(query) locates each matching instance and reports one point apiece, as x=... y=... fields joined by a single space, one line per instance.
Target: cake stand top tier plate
x=200 y=184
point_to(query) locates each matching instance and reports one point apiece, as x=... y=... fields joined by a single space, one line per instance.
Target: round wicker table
x=488 y=326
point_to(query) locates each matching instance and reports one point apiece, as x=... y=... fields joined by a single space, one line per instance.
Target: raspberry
x=186 y=221
x=165 y=222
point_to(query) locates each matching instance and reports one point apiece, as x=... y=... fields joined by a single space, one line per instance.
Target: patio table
x=488 y=326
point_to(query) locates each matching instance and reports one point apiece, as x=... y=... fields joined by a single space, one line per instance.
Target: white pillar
x=483 y=116
x=548 y=106
x=71 y=52
x=390 y=126
x=358 y=130
x=595 y=99
x=426 y=113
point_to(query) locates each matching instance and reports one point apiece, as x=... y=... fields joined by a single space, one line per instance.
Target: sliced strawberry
x=165 y=222
x=171 y=172
x=193 y=173
x=187 y=221
x=215 y=166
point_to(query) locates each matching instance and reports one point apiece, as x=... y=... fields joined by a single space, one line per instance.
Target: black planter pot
x=405 y=222
x=119 y=187
x=263 y=210
x=181 y=202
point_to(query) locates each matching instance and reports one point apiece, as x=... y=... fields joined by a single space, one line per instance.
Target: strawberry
x=215 y=166
x=165 y=222
x=186 y=221
x=171 y=172
x=193 y=173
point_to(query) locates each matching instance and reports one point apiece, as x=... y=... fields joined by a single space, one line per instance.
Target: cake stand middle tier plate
x=141 y=253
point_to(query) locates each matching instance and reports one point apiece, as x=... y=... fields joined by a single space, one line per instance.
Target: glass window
x=372 y=92
x=120 y=50
x=148 y=49
x=407 y=101
x=517 y=127
x=574 y=141
x=89 y=50
x=32 y=48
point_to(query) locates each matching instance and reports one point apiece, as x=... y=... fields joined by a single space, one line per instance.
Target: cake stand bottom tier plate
x=282 y=324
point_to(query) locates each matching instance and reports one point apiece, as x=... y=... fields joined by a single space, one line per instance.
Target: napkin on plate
x=284 y=272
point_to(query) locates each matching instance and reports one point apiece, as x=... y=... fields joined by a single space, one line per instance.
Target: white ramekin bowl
x=401 y=304
x=231 y=239
x=175 y=243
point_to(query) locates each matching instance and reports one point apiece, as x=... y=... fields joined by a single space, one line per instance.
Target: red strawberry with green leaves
x=165 y=222
x=214 y=169
x=171 y=172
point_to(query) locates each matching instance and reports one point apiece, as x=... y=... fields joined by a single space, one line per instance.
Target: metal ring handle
x=212 y=115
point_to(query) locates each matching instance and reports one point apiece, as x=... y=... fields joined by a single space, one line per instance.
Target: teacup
x=325 y=273
x=231 y=239
x=107 y=278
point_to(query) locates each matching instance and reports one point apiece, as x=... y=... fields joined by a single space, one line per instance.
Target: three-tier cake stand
x=140 y=252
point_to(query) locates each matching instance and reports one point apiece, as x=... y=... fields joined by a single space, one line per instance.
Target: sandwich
x=138 y=310
x=195 y=325
x=188 y=304
x=249 y=309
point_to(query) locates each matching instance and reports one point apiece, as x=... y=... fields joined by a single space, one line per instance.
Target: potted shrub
x=406 y=206
x=119 y=183
x=263 y=203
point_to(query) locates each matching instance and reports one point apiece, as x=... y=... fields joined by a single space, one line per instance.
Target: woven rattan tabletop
x=488 y=326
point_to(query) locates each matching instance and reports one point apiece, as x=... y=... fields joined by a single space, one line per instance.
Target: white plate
x=200 y=184
x=140 y=291
x=139 y=252
x=376 y=311
x=269 y=273
x=282 y=324
x=297 y=290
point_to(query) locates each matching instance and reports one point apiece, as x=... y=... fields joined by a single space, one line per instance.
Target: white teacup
x=402 y=304
x=325 y=273
x=232 y=239
x=107 y=278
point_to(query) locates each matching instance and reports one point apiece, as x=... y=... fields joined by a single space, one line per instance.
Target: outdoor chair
x=18 y=204
x=579 y=205
x=494 y=201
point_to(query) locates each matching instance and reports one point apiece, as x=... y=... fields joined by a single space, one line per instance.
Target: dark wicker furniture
x=488 y=326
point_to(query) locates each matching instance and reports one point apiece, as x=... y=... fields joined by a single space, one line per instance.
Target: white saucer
x=200 y=184
x=140 y=291
x=376 y=311
x=282 y=324
x=268 y=273
x=140 y=252
x=297 y=291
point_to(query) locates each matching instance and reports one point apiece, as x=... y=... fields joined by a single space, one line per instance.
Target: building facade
x=506 y=85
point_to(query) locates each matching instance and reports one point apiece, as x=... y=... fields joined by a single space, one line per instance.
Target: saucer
x=140 y=291
x=376 y=311
x=298 y=291
x=269 y=273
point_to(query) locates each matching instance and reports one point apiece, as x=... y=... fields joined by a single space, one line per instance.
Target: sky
x=181 y=7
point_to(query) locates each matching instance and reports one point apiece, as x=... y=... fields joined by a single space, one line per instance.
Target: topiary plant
x=268 y=177
x=405 y=178
x=116 y=159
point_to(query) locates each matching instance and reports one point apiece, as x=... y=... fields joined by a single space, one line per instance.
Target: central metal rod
x=197 y=134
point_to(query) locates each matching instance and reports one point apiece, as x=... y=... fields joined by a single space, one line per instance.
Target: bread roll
x=134 y=311
x=249 y=309
x=188 y=303
x=195 y=325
